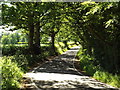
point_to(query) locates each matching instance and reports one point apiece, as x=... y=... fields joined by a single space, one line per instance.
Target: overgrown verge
x=16 y=61
x=90 y=66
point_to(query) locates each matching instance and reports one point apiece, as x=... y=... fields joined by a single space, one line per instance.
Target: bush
x=12 y=50
x=25 y=61
x=23 y=57
x=11 y=74
x=108 y=78
x=87 y=64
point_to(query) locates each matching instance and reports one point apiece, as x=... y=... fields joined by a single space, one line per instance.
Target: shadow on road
x=60 y=73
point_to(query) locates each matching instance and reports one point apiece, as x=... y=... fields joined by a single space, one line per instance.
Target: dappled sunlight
x=57 y=44
x=57 y=80
x=57 y=66
x=52 y=76
x=61 y=73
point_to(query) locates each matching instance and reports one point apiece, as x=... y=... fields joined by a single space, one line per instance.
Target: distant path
x=60 y=73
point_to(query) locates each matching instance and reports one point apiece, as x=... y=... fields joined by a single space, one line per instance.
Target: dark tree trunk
x=37 y=39
x=115 y=56
x=31 y=32
x=31 y=35
x=53 y=43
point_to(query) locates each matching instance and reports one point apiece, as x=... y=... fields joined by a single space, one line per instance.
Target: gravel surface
x=60 y=73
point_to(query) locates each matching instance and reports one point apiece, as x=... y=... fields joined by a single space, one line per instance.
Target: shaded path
x=60 y=73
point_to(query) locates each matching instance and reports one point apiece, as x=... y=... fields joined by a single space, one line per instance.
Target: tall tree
x=28 y=16
x=54 y=22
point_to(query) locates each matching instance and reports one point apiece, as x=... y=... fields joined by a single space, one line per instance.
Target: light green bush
x=115 y=80
x=11 y=74
x=108 y=78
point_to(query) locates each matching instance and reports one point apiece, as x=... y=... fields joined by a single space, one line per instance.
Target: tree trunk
x=53 y=43
x=31 y=32
x=37 y=39
x=115 y=56
x=31 y=35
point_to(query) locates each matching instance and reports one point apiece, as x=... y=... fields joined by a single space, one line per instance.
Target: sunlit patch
x=52 y=76
x=61 y=73
x=56 y=80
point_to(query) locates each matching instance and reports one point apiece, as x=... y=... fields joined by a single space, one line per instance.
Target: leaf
x=109 y=22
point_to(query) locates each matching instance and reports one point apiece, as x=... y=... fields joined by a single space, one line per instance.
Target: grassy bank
x=89 y=66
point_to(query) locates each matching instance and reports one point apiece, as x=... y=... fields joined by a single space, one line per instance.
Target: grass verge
x=87 y=64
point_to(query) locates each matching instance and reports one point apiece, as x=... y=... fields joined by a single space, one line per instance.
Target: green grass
x=87 y=65
x=113 y=80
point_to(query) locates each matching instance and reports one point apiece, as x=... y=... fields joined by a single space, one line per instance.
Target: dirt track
x=60 y=73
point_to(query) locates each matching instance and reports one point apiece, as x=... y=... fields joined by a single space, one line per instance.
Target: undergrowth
x=89 y=66
x=11 y=74
x=17 y=60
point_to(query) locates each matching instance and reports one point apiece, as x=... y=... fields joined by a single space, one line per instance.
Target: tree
x=53 y=24
x=97 y=27
x=28 y=16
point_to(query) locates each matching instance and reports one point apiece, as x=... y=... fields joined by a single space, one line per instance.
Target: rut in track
x=61 y=74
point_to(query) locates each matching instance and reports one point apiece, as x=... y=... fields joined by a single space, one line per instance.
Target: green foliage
x=22 y=42
x=26 y=61
x=11 y=74
x=21 y=61
x=108 y=78
x=102 y=76
x=12 y=50
x=87 y=64
x=45 y=38
x=61 y=47
x=31 y=17
x=5 y=40
x=9 y=50
x=13 y=38
x=46 y=49
x=96 y=26
x=23 y=57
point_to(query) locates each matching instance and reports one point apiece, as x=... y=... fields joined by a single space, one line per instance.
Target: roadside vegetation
x=89 y=67
x=48 y=29
x=18 y=59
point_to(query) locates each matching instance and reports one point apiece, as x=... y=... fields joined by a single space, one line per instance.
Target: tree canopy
x=95 y=25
